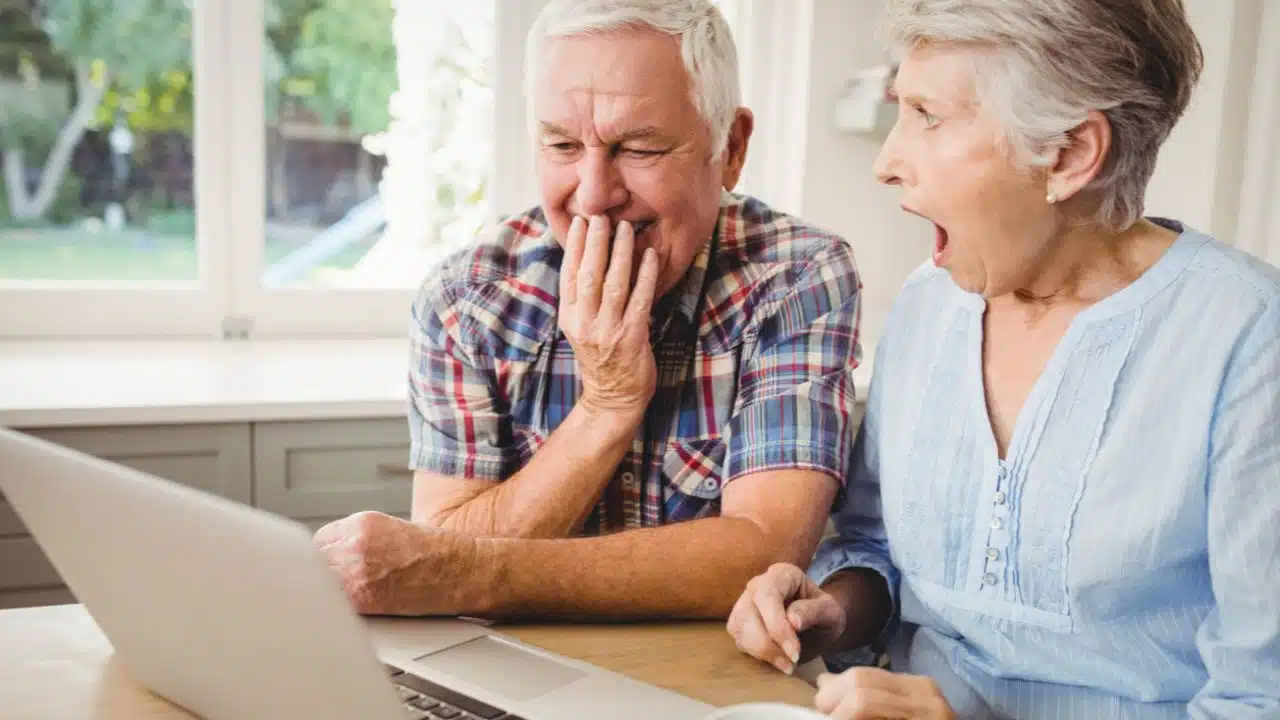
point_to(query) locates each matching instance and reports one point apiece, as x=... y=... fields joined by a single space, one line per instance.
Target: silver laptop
x=230 y=612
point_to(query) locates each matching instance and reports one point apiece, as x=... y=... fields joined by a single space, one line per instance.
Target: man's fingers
x=572 y=260
x=772 y=608
x=330 y=533
x=595 y=256
x=640 y=306
x=618 y=279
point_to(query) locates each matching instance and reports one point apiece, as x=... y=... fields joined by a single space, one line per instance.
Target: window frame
x=230 y=179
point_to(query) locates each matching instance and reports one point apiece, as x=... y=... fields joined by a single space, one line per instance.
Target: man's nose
x=600 y=186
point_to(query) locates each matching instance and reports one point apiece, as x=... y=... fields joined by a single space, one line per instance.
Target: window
x=98 y=190
x=164 y=177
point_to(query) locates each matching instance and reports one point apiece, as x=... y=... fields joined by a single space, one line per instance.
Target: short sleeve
x=796 y=406
x=456 y=427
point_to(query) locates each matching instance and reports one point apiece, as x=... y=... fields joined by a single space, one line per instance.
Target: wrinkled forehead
x=940 y=73
x=627 y=76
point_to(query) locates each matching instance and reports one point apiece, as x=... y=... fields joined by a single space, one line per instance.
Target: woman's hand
x=865 y=693
x=778 y=609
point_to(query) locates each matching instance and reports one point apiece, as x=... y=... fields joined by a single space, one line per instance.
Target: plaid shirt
x=767 y=384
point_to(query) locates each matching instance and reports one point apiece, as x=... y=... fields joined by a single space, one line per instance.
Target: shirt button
x=989 y=579
x=996 y=523
x=999 y=498
x=993 y=554
x=628 y=479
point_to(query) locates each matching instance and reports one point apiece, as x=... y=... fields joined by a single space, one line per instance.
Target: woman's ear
x=1083 y=157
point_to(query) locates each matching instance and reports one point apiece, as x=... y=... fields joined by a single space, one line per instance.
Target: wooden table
x=55 y=663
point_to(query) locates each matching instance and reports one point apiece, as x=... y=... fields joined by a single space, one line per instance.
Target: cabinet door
x=214 y=458
x=313 y=471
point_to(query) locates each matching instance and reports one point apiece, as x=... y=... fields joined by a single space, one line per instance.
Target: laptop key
x=444 y=713
x=424 y=703
x=416 y=714
x=444 y=694
x=406 y=694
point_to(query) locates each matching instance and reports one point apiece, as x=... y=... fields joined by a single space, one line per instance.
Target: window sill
x=62 y=384
x=100 y=383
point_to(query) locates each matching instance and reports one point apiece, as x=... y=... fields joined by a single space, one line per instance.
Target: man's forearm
x=555 y=492
x=863 y=594
x=695 y=569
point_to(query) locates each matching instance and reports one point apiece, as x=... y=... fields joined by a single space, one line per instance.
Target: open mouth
x=940 y=238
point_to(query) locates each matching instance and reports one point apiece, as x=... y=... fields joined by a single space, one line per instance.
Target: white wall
x=1198 y=177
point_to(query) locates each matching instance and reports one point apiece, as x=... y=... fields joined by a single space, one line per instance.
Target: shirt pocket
x=693 y=471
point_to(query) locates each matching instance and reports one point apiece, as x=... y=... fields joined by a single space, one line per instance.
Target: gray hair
x=706 y=46
x=1042 y=65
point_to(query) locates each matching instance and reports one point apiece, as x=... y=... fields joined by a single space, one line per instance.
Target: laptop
x=230 y=612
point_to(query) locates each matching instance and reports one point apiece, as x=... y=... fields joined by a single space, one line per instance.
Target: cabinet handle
x=394 y=469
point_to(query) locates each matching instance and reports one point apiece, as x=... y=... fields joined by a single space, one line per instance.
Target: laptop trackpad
x=501 y=668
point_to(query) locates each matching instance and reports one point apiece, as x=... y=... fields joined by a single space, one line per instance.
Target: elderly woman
x=1065 y=500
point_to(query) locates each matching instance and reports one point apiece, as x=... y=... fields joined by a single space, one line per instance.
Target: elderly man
x=635 y=397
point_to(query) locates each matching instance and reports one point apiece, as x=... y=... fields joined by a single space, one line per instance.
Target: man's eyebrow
x=640 y=133
x=550 y=128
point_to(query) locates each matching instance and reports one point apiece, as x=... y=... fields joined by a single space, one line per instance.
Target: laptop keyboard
x=425 y=700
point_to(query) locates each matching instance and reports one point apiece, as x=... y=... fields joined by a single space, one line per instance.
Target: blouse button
x=999 y=498
x=989 y=579
x=996 y=523
x=993 y=554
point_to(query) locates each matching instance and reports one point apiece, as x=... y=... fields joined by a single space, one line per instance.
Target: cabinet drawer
x=214 y=458
x=311 y=470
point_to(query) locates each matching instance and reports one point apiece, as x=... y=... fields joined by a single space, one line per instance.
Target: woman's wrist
x=864 y=596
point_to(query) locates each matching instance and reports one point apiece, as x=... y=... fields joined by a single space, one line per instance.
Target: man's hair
x=706 y=46
x=1042 y=65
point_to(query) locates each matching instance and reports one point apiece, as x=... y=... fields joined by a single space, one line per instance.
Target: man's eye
x=636 y=152
x=929 y=119
x=564 y=146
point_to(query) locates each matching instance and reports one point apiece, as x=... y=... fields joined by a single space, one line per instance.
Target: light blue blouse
x=1123 y=560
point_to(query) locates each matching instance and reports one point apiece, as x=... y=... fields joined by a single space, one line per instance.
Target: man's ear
x=736 y=148
x=1083 y=157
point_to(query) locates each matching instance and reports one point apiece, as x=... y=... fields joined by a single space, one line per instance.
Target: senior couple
x=635 y=400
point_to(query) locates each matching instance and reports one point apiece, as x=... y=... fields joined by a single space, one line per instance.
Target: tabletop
x=55 y=662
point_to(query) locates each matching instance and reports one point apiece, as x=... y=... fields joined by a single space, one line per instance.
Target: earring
x=1051 y=198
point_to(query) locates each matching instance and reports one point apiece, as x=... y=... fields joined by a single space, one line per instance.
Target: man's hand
x=865 y=693
x=606 y=319
x=778 y=610
x=388 y=566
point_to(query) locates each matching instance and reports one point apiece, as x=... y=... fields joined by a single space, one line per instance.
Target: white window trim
x=775 y=49
x=1258 y=229
x=130 y=311
x=230 y=184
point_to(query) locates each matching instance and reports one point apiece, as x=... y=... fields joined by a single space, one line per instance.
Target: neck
x=1086 y=264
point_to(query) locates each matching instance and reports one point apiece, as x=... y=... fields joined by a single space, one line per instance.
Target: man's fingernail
x=794 y=655
x=597 y=221
x=782 y=665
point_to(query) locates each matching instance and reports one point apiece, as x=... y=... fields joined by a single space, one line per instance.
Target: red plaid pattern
x=768 y=385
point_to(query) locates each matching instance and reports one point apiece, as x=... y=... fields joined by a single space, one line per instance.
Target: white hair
x=706 y=46
x=1042 y=65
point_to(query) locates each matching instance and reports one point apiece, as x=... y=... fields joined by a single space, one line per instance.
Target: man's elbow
x=777 y=544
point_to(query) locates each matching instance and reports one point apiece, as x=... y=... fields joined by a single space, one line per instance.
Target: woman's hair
x=706 y=46
x=1042 y=65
